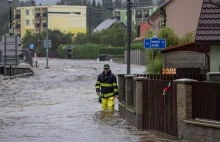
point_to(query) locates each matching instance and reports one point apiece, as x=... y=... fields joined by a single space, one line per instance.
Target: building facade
x=139 y=15
x=180 y=15
x=34 y=19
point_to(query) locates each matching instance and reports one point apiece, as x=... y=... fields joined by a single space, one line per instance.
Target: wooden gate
x=159 y=110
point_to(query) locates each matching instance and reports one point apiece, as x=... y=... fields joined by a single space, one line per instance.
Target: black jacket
x=108 y=84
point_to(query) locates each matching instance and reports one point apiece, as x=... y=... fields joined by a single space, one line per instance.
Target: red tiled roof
x=208 y=30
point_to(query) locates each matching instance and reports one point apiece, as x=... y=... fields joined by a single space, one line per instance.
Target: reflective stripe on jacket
x=108 y=84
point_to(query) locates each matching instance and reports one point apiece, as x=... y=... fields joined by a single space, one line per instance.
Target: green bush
x=157 y=65
x=112 y=51
x=61 y=51
x=138 y=45
x=86 y=51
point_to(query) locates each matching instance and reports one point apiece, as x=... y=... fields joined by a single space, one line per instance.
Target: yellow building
x=34 y=19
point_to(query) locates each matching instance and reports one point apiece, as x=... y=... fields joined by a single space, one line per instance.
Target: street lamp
x=11 y=3
x=128 y=36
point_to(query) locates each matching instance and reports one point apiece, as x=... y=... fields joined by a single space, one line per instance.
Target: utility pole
x=129 y=36
x=90 y=22
x=10 y=2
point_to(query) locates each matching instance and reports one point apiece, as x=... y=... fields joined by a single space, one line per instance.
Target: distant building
x=34 y=19
x=139 y=15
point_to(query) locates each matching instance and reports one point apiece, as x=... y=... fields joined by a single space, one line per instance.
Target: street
x=60 y=105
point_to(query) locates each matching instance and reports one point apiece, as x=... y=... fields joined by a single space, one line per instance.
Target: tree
x=93 y=3
x=80 y=38
x=99 y=6
x=57 y=37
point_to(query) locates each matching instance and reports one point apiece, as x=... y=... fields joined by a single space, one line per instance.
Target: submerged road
x=60 y=105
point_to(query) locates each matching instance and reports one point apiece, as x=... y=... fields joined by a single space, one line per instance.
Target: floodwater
x=60 y=105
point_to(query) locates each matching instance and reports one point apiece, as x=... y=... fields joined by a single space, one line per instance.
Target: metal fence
x=137 y=57
x=160 y=110
x=206 y=100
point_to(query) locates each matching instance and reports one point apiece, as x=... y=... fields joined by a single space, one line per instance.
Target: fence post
x=184 y=104
x=121 y=87
x=139 y=102
x=129 y=89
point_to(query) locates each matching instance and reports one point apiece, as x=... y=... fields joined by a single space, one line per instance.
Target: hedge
x=86 y=51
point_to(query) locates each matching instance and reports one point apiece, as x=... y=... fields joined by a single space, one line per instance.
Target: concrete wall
x=183 y=15
x=185 y=59
x=215 y=58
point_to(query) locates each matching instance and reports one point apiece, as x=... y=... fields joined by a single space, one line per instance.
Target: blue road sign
x=147 y=43
x=31 y=46
x=155 y=43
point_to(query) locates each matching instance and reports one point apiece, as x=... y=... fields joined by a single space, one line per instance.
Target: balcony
x=17 y=26
x=17 y=17
x=45 y=14
x=44 y=25
x=37 y=15
x=37 y=25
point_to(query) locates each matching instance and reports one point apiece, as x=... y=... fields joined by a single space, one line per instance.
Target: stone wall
x=185 y=59
x=187 y=127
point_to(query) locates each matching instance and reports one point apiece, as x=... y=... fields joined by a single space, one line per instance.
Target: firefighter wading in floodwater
x=109 y=90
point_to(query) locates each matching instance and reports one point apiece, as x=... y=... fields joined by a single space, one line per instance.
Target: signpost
x=154 y=43
x=47 y=43
x=32 y=46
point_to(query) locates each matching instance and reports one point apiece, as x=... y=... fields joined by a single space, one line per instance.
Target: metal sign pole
x=47 y=43
x=152 y=60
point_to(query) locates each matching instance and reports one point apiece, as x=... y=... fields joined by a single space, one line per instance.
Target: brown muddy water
x=60 y=105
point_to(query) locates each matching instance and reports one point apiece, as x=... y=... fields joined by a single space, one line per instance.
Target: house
x=180 y=15
x=34 y=19
x=108 y=23
x=208 y=31
x=139 y=14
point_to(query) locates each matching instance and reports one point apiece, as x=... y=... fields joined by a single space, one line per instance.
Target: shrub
x=87 y=51
x=112 y=51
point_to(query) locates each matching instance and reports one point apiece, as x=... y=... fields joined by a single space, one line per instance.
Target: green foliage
x=112 y=51
x=61 y=51
x=188 y=37
x=172 y=40
x=80 y=38
x=170 y=35
x=157 y=65
x=115 y=36
x=57 y=38
x=86 y=51
x=137 y=45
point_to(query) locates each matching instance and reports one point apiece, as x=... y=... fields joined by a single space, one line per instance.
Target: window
x=27 y=12
x=139 y=14
x=27 y=22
